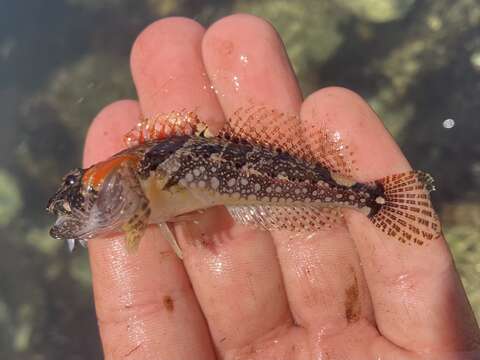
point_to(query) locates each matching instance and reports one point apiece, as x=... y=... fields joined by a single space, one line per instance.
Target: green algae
x=10 y=198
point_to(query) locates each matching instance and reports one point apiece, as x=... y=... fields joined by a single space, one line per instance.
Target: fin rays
x=291 y=218
x=281 y=131
x=407 y=214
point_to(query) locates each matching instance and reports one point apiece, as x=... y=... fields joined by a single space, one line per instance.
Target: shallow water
x=62 y=61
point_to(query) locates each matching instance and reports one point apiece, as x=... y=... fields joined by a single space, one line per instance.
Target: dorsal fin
x=164 y=125
x=268 y=128
x=260 y=125
x=282 y=131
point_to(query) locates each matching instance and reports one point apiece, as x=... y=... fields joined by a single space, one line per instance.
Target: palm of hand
x=248 y=294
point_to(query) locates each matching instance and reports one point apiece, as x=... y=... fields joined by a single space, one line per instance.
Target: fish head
x=84 y=211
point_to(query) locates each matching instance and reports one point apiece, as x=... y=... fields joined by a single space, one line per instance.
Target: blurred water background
x=61 y=61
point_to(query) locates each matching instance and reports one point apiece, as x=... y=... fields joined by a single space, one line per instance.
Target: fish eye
x=70 y=179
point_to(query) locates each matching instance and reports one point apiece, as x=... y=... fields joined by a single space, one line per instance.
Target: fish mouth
x=62 y=230
x=82 y=216
x=66 y=227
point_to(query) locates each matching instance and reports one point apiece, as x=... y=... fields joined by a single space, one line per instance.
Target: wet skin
x=246 y=294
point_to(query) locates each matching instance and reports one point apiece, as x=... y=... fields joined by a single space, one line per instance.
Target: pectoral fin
x=135 y=227
x=168 y=235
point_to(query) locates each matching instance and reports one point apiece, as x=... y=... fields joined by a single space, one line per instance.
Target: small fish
x=257 y=166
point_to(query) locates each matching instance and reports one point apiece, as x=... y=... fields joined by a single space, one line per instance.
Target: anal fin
x=291 y=218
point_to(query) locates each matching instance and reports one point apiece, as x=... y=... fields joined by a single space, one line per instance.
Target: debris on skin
x=135 y=348
x=352 y=301
x=168 y=303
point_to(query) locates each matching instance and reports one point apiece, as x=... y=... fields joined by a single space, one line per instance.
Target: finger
x=168 y=71
x=242 y=279
x=324 y=280
x=144 y=302
x=185 y=85
x=247 y=66
x=108 y=129
x=417 y=296
x=142 y=310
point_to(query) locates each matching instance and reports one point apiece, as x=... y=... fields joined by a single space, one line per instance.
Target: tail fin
x=405 y=211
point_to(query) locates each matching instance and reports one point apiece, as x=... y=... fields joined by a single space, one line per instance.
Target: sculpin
x=257 y=166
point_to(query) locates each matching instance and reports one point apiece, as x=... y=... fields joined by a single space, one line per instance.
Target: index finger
x=412 y=287
x=145 y=304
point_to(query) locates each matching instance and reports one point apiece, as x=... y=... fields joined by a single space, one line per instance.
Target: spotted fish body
x=174 y=167
x=240 y=174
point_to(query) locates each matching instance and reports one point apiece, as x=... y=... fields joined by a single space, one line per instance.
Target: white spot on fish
x=380 y=200
x=244 y=181
x=215 y=183
x=231 y=182
x=257 y=187
x=189 y=177
x=196 y=172
x=365 y=210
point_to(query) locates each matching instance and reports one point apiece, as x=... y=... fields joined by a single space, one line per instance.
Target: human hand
x=247 y=294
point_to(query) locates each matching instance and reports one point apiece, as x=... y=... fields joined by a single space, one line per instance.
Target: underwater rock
x=164 y=7
x=10 y=198
x=377 y=11
x=462 y=231
x=80 y=270
x=78 y=91
x=309 y=29
x=394 y=117
x=41 y=240
x=475 y=60
x=96 y=4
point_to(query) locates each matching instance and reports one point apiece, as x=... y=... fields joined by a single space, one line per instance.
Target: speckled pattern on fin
x=292 y=218
x=274 y=129
x=406 y=212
